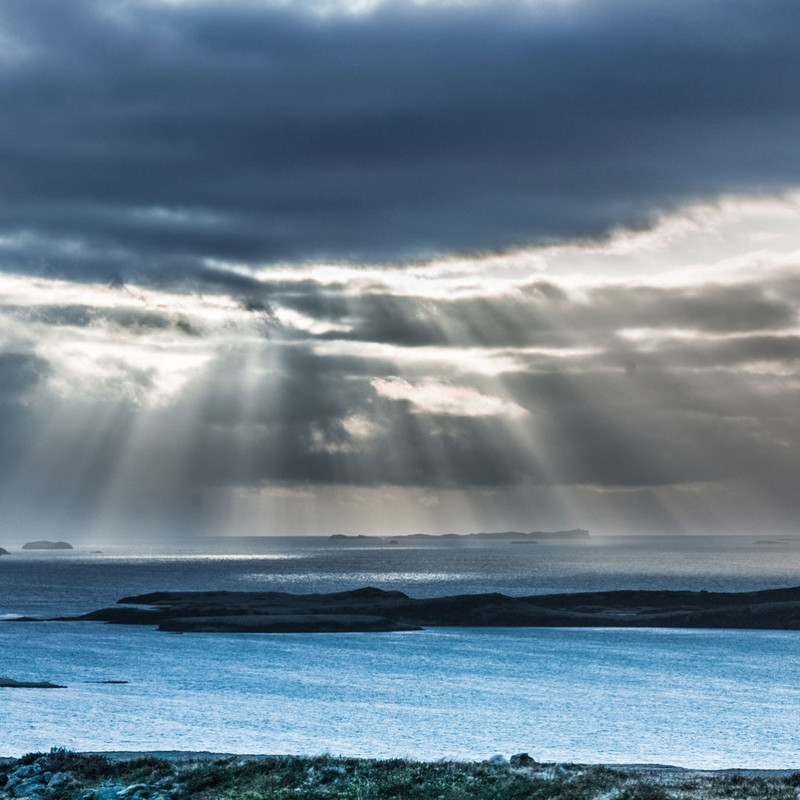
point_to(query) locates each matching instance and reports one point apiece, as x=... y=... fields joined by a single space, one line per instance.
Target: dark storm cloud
x=140 y=137
x=143 y=145
x=19 y=374
x=589 y=429
x=660 y=427
x=710 y=395
x=707 y=407
x=311 y=420
x=783 y=350
x=543 y=315
x=83 y=315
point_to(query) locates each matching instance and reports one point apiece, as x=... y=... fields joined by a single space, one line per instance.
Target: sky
x=310 y=267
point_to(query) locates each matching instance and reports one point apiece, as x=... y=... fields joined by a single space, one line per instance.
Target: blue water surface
x=694 y=698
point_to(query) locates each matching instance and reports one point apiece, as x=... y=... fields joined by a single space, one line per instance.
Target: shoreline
x=376 y=610
x=211 y=756
x=178 y=775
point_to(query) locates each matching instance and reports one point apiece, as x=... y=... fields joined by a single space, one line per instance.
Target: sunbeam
x=314 y=398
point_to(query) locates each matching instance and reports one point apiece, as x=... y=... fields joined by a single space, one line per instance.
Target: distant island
x=3 y=552
x=500 y=536
x=376 y=610
x=45 y=545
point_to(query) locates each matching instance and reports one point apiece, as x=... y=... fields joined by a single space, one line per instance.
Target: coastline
x=174 y=775
x=370 y=609
x=207 y=755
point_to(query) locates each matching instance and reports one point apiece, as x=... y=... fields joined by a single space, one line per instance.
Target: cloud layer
x=147 y=138
x=671 y=397
x=270 y=267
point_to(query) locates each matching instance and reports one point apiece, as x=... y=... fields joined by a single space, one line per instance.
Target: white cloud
x=443 y=398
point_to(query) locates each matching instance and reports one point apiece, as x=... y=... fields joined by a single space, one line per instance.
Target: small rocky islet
x=42 y=544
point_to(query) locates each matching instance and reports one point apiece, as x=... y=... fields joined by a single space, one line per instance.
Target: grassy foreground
x=61 y=775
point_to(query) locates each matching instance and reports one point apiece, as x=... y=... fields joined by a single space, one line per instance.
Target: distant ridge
x=575 y=533
x=45 y=545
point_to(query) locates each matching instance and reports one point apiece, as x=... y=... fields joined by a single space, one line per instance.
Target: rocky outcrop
x=373 y=609
x=45 y=545
x=10 y=683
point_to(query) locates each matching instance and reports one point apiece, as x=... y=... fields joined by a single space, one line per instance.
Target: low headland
x=60 y=774
x=377 y=610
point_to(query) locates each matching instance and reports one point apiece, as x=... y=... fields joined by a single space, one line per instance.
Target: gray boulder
x=133 y=790
x=30 y=787
x=108 y=792
x=61 y=781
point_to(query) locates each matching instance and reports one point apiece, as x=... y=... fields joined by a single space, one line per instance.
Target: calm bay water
x=695 y=698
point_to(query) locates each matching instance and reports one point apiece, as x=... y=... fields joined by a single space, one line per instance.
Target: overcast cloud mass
x=379 y=268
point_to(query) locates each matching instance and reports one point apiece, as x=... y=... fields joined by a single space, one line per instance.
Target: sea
x=705 y=699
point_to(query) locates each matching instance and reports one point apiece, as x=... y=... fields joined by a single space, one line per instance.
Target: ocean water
x=45 y=583
x=706 y=699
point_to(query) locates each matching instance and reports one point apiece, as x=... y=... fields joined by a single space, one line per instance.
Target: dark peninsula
x=371 y=609
x=45 y=545
x=3 y=552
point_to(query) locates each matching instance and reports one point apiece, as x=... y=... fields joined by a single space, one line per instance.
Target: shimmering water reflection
x=696 y=698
